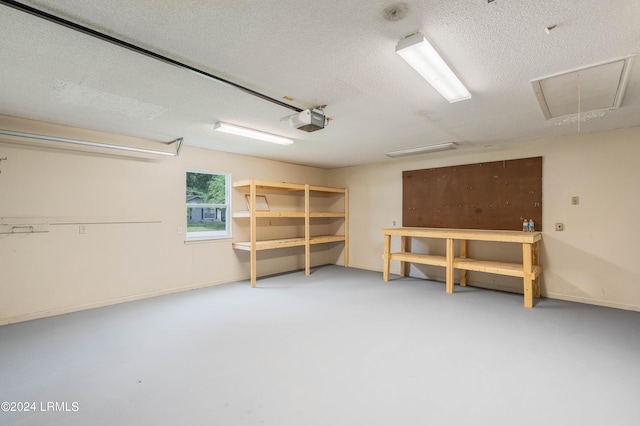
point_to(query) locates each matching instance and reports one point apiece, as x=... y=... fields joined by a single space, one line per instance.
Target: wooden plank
x=327 y=214
x=468 y=234
x=449 y=274
x=247 y=214
x=307 y=232
x=287 y=242
x=288 y=214
x=405 y=246
x=254 y=233
x=527 y=257
x=463 y=255
x=322 y=239
x=328 y=189
x=268 y=184
x=386 y=256
x=424 y=259
x=270 y=244
x=346 y=227
x=274 y=184
x=489 y=266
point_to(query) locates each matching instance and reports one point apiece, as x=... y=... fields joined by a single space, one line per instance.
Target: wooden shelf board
x=327 y=214
x=502 y=268
x=425 y=259
x=247 y=214
x=270 y=244
x=268 y=184
x=467 y=234
x=272 y=184
x=288 y=242
x=321 y=239
x=317 y=188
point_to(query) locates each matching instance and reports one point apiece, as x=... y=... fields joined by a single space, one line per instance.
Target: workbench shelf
x=307 y=193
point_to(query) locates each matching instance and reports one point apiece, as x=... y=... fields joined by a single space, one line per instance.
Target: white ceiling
x=334 y=52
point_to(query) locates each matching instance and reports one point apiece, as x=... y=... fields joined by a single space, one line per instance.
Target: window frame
x=209 y=235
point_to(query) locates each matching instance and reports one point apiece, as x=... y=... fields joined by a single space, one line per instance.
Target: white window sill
x=204 y=240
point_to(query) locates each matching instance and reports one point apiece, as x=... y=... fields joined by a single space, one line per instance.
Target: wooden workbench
x=529 y=270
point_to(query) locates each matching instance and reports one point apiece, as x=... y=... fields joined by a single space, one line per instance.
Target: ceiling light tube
x=251 y=133
x=419 y=53
x=423 y=149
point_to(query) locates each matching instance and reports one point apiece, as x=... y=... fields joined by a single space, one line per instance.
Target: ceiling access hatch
x=598 y=87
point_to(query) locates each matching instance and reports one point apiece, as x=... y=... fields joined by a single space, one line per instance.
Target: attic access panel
x=496 y=195
x=594 y=88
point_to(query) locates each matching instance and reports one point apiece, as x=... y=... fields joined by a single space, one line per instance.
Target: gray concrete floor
x=340 y=347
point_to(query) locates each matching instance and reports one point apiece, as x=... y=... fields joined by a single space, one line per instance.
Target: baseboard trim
x=550 y=295
x=132 y=298
x=114 y=301
x=108 y=302
x=590 y=301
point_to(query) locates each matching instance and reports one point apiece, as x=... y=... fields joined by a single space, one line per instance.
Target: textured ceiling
x=335 y=53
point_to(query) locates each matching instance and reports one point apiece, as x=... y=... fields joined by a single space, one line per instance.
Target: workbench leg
x=405 y=246
x=463 y=254
x=386 y=257
x=535 y=261
x=450 y=284
x=527 y=257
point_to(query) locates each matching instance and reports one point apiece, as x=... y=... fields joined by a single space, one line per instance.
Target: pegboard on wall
x=494 y=195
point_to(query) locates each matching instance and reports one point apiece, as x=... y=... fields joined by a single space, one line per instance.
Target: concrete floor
x=340 y=347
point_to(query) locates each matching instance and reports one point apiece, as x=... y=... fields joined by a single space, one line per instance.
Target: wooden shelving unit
x=307 y=240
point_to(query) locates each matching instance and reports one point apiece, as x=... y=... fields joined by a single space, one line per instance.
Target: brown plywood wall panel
x=493 y=195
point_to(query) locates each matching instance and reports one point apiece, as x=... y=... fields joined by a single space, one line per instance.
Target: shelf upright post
x=346 y=227
x=254 y=231
x=307 y=229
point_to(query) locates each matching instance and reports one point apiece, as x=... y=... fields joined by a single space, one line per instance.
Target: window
x=207 y=205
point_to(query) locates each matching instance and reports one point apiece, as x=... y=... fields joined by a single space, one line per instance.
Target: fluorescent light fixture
x=423 y=149
x=251 y=133
x=419 y=53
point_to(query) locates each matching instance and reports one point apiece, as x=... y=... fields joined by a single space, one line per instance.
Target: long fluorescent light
x=251 y=133
x=419 y=53
x=423 y=149
x=177 y=142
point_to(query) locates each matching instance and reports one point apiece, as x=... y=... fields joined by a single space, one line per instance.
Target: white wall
x=592 y=261
x=118 y=259
x=595 y=260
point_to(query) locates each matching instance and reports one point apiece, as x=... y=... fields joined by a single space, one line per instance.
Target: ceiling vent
x=598 y=87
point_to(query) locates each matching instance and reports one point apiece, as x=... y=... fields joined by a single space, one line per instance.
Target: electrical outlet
x=575 y=200
x=394 y=223
x=179 y=230
x=559 y=226
x=82 y=229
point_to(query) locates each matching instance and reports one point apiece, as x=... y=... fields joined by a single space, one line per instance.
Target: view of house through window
x=207 y=204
